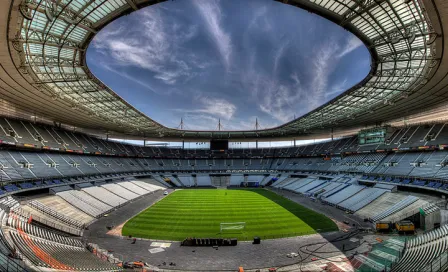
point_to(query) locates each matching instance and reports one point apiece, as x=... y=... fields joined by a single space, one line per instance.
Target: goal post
x=232 y=227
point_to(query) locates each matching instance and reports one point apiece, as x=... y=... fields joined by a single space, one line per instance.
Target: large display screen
x=372 y=136
x=219 y=145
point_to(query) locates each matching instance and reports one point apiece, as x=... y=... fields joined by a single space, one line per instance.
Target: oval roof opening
x=226 y=65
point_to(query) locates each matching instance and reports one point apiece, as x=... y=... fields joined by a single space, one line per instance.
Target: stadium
x=90 y=182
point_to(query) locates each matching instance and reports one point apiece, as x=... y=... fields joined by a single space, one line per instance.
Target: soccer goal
x=232 y=227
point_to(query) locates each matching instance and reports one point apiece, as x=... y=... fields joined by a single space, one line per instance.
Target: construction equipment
x=405 y=227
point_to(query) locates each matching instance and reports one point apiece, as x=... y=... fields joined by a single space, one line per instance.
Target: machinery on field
x=405 y=227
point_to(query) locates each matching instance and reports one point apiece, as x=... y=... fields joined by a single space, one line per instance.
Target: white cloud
x=246 y=123
x=211 y=108
x=321 y=68
x=155 y=45
x=133 y=79
x=279 y=54
x=217 y=107
x=111 y=30
x=352 y=43
x=212 y=14
x=240 y=125
x=337 y=88
x=260 y=13
x=200 y=122
x=326 y=60
x=280 y=102
x=285 y=98
x=279 y=99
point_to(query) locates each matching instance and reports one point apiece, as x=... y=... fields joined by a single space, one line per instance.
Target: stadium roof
x=44 y=73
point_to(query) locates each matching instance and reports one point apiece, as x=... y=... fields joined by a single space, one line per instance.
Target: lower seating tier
x=44 y=253
x=421 y=251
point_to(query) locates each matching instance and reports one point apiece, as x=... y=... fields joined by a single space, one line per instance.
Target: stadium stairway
x=85 y=202
x=394 y=209
x=420 y=252
x=64 y=207
x=55 y=214
x=285 y=182
x=407 y=211
x=361 y=199
x=133 y=188
x=120 y=191
x=381 y=257
x=148 y=186
x=380 y=205
x=308 y=184
x=43 y=217
x=342 y=195
x=105 y=196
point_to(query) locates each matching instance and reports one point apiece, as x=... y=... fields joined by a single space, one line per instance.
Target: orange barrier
x=44 y=256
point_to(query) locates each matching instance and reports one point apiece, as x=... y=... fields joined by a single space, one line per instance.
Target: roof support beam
x=68 y=20
x=132 y=4
x=359 y=8
x=379 y=22
x=38 y=35
x=48 y=43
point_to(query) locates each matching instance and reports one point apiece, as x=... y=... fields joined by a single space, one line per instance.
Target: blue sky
x=204 y=60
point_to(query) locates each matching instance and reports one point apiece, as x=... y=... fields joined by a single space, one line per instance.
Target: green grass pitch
x=199 y=212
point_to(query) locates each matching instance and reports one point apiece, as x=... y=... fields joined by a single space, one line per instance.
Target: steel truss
x=54 y=34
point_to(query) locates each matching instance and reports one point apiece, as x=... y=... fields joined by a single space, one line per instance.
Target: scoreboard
x=372 y=136
x=219 y=145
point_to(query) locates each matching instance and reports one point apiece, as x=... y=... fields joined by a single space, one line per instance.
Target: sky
x=234 y=61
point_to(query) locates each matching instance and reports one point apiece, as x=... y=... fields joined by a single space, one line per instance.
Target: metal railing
x=438 y=264
x=11 y=265
x=104 y=254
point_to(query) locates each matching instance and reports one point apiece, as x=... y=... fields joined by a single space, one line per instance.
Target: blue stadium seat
x=26 y=185
x=419 y=182
x=11 y=188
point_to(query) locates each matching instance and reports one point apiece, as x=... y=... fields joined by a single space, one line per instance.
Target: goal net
x=232 y=227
